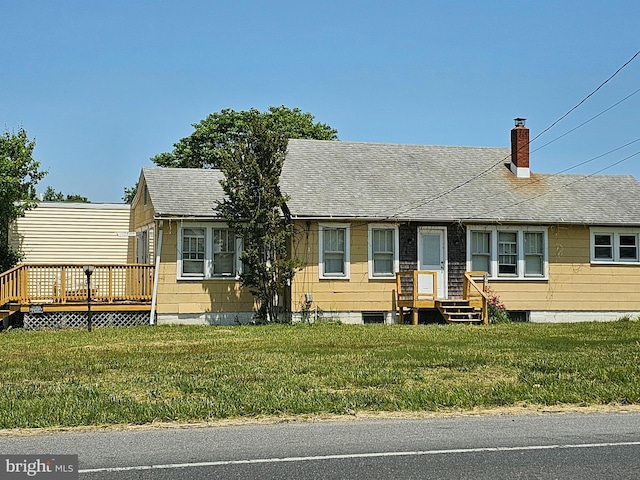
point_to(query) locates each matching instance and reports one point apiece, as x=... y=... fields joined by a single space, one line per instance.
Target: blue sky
x=104 y=85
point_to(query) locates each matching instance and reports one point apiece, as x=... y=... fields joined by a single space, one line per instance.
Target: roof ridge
x=421 y=145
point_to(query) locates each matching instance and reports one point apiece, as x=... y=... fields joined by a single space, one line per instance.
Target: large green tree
x=256 y=211
x=19 y=174
x=215 y=135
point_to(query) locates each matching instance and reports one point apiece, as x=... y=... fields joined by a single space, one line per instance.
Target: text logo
x=49 y=467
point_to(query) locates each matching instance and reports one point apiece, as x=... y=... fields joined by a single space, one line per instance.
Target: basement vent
x=518 y=316
x=372 y=317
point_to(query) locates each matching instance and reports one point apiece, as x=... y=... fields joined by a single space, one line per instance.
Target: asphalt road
x=546 y=446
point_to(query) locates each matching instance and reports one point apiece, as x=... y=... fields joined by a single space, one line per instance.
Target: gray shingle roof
x=435 y=183
x=328 y=179
x=183 y=192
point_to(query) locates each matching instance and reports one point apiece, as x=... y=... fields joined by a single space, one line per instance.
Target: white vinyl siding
x=511 y=252
x=334 y=250
x=76 y=233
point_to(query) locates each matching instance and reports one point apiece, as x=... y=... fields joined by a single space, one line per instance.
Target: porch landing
x=417 y=290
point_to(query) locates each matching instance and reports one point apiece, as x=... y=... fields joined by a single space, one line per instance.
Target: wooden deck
x=63 y=288
x=416 y=290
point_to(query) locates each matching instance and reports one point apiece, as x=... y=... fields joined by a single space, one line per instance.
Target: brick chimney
x=520 y=149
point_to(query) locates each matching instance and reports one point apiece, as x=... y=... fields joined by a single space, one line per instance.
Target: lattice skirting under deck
x=35 y=321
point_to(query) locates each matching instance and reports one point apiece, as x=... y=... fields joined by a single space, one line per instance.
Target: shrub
x=497 y=311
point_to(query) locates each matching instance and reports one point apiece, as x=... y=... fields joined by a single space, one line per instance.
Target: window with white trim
x=224 y=253
x=614 y=245
x=193 y=252
x=480 y=246
x=383 y=251
x=533 y=254
x=334 y=250
x=507 y=251
x=207 y=252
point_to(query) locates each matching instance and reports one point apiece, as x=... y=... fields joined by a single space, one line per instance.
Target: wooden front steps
x=459 y=311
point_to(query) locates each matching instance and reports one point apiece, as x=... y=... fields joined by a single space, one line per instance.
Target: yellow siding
x=358 y=293
x=72 y=233
x=194 y=296
x=142 y=218
x=574 y=284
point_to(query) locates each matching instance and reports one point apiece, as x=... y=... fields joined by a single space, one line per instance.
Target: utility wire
x=394 y=216
x=580 y=179
x=540 y=179
x=584 y=123
x=482 y=173
x=586 y=98
x=534 y=181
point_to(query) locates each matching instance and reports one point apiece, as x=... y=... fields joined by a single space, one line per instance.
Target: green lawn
x=177 y=373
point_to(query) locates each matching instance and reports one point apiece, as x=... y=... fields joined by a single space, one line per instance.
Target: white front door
x=432 y=255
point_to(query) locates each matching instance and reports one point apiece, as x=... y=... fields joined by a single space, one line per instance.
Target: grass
x=179 y=373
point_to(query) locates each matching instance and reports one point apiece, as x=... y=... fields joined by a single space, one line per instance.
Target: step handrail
x=10 y=284
x=473 y=290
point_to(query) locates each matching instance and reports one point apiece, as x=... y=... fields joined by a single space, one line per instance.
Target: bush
x=497 y=311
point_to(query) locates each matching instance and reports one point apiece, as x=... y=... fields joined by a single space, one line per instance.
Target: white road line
x=354 y=455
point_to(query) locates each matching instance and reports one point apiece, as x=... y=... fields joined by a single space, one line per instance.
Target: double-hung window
x=614 y=245
x=334 y=250
x=224 y=253
x=480 y=246
x=533 y=254
x=193 y=252
x=383 y=251
x=207 y=252
x=507 y=252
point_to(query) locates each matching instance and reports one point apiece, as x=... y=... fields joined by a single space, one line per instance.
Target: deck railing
x=474 y=290
x=10 y=282
x=415 y=289
x=42 y=283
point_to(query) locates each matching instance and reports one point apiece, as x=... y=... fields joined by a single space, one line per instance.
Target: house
x=555 y=247
x=60 y=242
x=66 y=232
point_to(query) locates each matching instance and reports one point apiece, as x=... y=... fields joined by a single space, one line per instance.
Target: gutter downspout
x=156 y=274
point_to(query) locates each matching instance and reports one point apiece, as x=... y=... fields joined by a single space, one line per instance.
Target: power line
x=565 y=185
x=411 y=206
x=580 y=179
x=586 y=98
x=584 y=123
x=451 y=190
x=534 y=181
